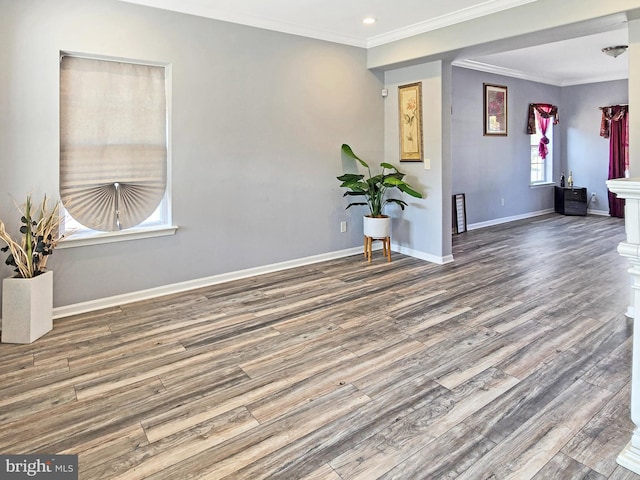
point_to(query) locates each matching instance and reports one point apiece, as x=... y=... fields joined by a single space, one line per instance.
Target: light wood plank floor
x=513 y=362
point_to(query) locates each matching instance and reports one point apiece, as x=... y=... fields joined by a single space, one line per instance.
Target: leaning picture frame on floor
x=459 y=219
x=410 y=113
x=495 y=110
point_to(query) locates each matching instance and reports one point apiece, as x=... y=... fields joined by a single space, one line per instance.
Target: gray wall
x=258 y=120
x=488 y=169
x=584 y=152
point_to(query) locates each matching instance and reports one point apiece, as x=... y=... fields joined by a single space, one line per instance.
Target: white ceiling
x=567 y=62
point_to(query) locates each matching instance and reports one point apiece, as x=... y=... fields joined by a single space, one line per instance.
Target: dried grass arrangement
x=40 y=235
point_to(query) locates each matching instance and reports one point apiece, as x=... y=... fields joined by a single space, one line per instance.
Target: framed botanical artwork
x=410 y=109
x=495 y=109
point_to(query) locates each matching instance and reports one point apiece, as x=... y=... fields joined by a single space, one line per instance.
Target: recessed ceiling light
x=369 y=21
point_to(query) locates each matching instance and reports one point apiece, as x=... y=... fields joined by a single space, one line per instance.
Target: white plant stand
x=377 y=228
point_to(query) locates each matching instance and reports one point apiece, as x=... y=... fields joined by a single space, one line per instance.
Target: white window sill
x=546 y=184
x=82 y=239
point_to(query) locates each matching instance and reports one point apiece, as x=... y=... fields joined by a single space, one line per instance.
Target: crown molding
x=558 y=82
x=466 y=14
x=202 y=8
x=507 y=72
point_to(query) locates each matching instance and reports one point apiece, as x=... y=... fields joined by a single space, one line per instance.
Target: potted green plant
x=373 y=190
x=27 y=297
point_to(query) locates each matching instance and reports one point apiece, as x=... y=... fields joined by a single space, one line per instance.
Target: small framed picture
x=495 y=110
x=410 y=110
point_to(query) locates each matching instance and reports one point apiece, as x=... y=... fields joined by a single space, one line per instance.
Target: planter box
x=27 y=308
x=377 y=227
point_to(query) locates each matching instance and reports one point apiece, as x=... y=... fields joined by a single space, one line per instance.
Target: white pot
x=27 y=308
x=377 y=227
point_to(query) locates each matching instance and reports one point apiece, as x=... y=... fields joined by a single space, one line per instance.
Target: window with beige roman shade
x=113 y=141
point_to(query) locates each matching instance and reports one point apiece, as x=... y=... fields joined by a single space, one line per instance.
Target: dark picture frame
x=459 y=213
x=495 y=110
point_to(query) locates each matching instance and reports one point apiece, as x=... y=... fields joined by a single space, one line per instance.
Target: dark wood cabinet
x=571 y=201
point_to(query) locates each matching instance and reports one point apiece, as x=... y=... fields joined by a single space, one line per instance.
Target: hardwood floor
x=513 y=362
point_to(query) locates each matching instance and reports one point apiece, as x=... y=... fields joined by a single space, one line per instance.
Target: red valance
x=545 y=110
x=613 y=113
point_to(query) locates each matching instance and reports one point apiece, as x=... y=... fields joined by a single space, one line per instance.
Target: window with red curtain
x=615 y=127
x=538 y=124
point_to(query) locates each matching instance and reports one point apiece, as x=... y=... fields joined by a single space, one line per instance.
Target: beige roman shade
x=113 y=141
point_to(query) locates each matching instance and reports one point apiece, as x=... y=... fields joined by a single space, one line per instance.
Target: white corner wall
x=421 y=229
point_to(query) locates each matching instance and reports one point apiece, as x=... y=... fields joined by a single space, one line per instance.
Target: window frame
x=86 y=236
x=547 y=163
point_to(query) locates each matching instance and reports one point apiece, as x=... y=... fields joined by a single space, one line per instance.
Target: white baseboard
x=604 y=213
x=498 y=221
x=116 y=300
x=421 y=255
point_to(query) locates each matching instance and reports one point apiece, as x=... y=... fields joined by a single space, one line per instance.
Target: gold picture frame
x=410 y=112
x=495 y=110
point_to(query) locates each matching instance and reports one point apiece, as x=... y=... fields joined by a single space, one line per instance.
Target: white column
x=633 y=26
x=629 y=189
